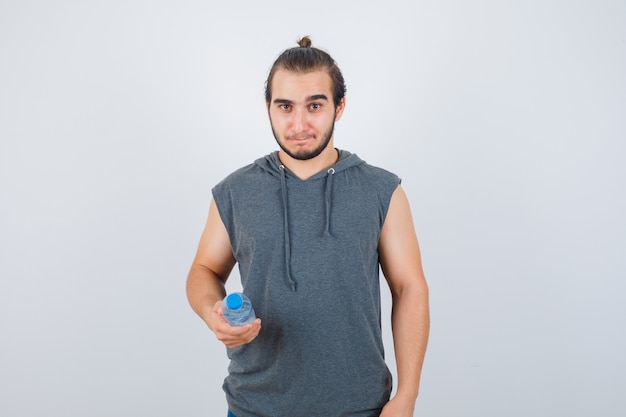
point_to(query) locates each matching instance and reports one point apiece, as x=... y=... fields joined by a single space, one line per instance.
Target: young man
x=309 y=226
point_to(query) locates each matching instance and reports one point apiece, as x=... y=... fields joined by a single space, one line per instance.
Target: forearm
x=410 y=325
x=204 y=289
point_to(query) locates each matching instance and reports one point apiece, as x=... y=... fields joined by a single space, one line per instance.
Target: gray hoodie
x=308 y=258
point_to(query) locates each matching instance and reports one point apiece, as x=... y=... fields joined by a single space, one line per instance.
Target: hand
x=396 y=407
x=232 y=336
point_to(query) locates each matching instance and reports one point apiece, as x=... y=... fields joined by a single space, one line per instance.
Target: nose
x=299 y=120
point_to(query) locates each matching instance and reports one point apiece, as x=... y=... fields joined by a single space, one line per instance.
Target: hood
x=272 y=165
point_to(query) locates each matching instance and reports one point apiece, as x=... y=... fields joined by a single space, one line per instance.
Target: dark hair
x=305 y=58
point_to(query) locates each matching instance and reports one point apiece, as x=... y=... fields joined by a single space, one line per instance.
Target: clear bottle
x=237 y=309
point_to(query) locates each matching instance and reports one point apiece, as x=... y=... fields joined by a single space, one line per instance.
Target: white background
x=505 y=119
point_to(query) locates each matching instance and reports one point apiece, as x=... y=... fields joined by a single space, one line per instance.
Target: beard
x=305 y=155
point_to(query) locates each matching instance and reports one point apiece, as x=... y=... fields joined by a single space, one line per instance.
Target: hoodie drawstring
x=329 y=186
x=287 y=239
x=283 y=186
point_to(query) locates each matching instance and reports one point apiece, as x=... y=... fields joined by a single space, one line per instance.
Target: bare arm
x=211 y=267
x=402 y=266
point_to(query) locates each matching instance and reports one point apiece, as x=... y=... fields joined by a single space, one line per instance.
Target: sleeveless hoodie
x=307 y=253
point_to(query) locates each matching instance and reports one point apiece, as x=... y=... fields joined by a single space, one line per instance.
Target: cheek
x=280 y=123
x=323 y=122
x=275 y=120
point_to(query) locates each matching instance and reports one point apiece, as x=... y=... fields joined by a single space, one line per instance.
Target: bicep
x=399 y=251
x=214 y=250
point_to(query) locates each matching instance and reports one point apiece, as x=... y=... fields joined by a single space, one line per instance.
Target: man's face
x=302 y=113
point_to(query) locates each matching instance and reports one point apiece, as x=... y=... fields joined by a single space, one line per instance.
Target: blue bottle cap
x=234 y=301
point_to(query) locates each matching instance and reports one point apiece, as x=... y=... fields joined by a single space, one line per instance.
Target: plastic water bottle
x=237 y=309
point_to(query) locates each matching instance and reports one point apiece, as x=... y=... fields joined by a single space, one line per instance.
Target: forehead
x=298 y=85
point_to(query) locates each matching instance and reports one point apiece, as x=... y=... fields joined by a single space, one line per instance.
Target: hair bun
x=305 y=42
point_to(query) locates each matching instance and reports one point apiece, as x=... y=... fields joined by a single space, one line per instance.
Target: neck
x=307 y=168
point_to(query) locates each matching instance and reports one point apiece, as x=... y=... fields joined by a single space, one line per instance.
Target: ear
x=340 y=107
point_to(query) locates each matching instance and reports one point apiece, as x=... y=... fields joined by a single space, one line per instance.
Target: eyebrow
x=317 y=97
x=314 y=97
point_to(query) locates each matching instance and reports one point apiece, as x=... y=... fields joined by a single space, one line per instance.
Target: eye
x=315 y=106
x=285 y=107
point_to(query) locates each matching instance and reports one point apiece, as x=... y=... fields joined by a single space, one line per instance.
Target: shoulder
x=239 y=174
x=264 y=168
x=352 y=160
x=377 y=171
x=378 y=177
x=243 y=177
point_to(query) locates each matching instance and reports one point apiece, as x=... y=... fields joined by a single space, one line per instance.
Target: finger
x=233 y=336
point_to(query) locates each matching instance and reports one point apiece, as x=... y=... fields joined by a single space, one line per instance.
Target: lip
x=300 y=139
